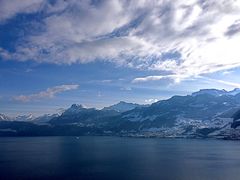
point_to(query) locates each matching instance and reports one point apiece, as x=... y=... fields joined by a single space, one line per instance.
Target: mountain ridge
x=123 y=106
x=208 y=113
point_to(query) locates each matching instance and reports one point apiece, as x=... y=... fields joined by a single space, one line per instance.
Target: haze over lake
x=118 y=158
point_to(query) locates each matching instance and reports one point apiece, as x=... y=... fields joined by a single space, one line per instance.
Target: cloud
x=233 y=29
x=228 y=83
x=227 y=72
x=106 y=81
x=49 y=93
x=178 y=79
x=125 y=88
x=179 y=39
x=150 y=101
x=28 y=70
x=9 y=9
x=99 y=94
x=173 y=77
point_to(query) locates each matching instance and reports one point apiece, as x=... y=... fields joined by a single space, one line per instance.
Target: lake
x=118 y=158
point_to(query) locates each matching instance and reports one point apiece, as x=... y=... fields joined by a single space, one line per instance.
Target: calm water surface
x=118 y=158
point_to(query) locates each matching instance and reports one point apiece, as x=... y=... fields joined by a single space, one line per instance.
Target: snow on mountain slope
x=207 y=113
x=216 y=92
x=44 y=118
x=4 y=117
x=234 y=92
x=29 y=117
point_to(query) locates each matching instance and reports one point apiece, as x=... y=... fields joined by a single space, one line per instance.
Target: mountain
x=75 y=108
x=202 y=106
x=216 y=92
x=4 y=117
x=234 y=92
x=44 y=118
x=123 y=107
x=199 y=114
x=77 y=114
x=204 y=114
x=236 y=119
x=208 y=113
x=29 y=117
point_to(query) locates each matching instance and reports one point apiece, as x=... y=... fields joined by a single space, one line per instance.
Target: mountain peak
x=28 y=117
x=122 y=106
x=214 y=92
x=217 y=92
x=76 y=106
x=4 y=117
x=234 y=91
x=122 y=102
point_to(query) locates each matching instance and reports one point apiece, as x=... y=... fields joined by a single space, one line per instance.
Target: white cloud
x=150 y=101
x=227 y=72
x=173 y=77
x=228 y=83
x=106 y=81
x=9 y=9
x=148 y=78
x=138 y=34
x=49 y=93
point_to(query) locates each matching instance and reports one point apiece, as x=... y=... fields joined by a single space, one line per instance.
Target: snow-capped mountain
x=201 y=106
x=234 y=92
x=206 y=113
x=216 y=92
x=4 y=117
x=75 y=108
x=122 y=106
x=197 y=113
x=44 y=118
x=29 y=117
x=77 y=114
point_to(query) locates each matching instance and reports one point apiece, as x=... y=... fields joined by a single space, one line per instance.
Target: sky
x=54 y=53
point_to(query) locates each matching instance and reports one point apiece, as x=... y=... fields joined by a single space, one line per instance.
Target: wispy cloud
x=173 y=77
x=126 y=88
x=48 y=93
x=181 y=38
x=179 y=78
x=149 y=78
x=99 y=94
x=106 y=81
x=29 y=70
x=228 y=83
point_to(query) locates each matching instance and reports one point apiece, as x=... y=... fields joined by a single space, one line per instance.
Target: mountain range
x=208 y=113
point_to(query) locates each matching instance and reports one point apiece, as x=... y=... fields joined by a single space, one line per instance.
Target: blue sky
x=54 y=53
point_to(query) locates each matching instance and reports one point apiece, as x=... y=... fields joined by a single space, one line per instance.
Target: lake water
x=118 y=158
